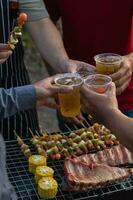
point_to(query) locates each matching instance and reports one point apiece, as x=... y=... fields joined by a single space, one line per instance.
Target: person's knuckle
x=129 y=73
x=118 y=83
x=120 y=73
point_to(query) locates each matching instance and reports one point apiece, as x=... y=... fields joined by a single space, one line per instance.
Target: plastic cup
x=70 y=102
x=85 y=73
x=107 y=63
x=98 y=82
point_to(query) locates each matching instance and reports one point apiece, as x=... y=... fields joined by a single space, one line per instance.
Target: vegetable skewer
x=36 y=142
x=24 y=147
x=17 y=31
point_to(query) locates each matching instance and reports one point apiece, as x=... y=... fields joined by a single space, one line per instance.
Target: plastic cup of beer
x=98 y=82
x=107 y=63
x=85 y=73
x=69 y=102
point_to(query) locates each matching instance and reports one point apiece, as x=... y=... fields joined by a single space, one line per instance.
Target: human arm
x=47 y=38
x=106 y=108
x=29 y=96
x=16 y=99
x=123 y=76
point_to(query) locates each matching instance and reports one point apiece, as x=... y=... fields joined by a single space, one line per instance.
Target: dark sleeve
x=16 y=99
x=53 y=9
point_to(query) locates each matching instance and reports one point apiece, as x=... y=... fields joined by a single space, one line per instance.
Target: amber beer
x=98 y=82
x=107 y=63
x=70 y=102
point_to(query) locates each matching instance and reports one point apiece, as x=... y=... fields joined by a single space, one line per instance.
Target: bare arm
x=49 y=42
x=122 y=126
x=105 y=107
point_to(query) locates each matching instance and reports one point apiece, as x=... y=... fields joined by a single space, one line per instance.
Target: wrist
x=62 y=64
x=110 y=114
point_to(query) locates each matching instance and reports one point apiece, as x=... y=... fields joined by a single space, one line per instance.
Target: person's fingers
x=123 y=79
x=77 y=121
x=88 y=93
x=2 y=60
x=52 y=105
x=121 y=72
x=5 y=55
x=61 y=89
x=120 y=90
x=4 y=47
x=111 y=89
x=47 y=103
x=52 y=79
x=80 y=117
x=85 y=66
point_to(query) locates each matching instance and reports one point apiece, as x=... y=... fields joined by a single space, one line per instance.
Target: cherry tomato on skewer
x=22 y=19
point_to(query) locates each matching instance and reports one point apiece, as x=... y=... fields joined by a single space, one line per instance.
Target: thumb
x=89 y=94
x=52 y=105
x=111 y=90
x=47 y=103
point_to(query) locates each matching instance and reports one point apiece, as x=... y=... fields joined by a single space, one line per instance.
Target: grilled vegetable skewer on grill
x=36 y=142
x=17 y=31
x=24 y=147
x=79 y=142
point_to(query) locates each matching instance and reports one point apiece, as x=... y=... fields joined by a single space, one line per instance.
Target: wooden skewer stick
x=75 y=127
x=83 y=125
x=31 y=133
x=68 y=128
x=37 y=133
x=15 y=133
x=44 y=132
x=87 y=122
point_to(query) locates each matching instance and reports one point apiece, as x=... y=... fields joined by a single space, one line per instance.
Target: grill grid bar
x=24 y=184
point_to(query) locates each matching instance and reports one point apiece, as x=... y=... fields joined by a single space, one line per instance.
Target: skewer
x=87 y=122
x=24 y=147
x=31 y=133
x=17 y=31
x=68 y=128
x=75 y=127
x=44 y=132
x=37 y=144
x=83 y=125
x=37 y=133
x=15 y=133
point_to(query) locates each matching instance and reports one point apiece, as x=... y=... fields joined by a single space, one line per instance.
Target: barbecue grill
x=25 y=187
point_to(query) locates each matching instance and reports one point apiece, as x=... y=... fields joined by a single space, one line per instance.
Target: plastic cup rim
x=101 y=75
x=98 y=56
x=68 y=74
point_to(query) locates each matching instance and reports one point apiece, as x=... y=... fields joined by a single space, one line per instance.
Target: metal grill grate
x=25 y=186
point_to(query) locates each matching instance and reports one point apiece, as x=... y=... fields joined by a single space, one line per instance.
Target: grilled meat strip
x=82 y=176
x=114 y=156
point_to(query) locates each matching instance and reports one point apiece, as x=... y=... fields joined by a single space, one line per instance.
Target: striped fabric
x=13 y=73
